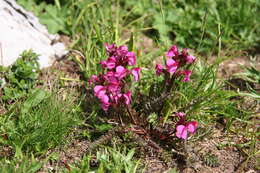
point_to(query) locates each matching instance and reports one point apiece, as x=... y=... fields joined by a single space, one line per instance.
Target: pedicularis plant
x=112 y=87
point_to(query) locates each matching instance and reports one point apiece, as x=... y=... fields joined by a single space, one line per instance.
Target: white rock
x=20 y=30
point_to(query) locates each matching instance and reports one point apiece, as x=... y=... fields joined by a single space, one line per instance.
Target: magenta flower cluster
x=110 y=87
x=183 y=127
x=174 y=63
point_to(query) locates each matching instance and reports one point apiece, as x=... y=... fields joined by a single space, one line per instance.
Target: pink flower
x=136 y=73
x=186 y=58
x=180 y=114
x=103 y=64
x=99 y=91
x=112 y=82
x=190 y=59
x=159 y=69
x=172 y=52
x=110 y=48
x=93 y=79
x=182 y=130
x=113 y=87
x=110 y=85
x=131 y=59
x=121 y=72
x=123 y=48
x=127 y=97
x=121 y=52
x=111 y=62
x=171 y=66
x=104 y=99
x=116 y=98
x=186 y=74
x=105 y=106
x=121 y=56
x=109 y=75
x=192 y=126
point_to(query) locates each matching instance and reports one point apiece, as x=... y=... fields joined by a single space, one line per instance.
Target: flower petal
x=192 y=126
x=136 y=73
x=131 y=58
x=187 y=74
x=121 y=72
x=97 y=89
x=190 y=59
x=172 y=52
x=181 y=132
x=159 y=69
x=180 y=114
x=127 y=97
x=93 y=79
x=171 y=66
x=111 y=62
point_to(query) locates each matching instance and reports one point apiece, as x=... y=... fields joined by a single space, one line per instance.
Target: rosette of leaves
x=211 y=160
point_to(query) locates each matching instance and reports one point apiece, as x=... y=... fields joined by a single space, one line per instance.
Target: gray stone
x=20 y=30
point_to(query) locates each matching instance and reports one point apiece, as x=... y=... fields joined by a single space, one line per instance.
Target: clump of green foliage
x=36 y=120
x=40 y=122
x=25 y=164
x=109 y=160
x=116 y=161
x=21 y=76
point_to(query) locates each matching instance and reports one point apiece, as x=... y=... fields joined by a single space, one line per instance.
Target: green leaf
x=35 y=98
x=131 y=42
x=103 y=127
x=130 y=155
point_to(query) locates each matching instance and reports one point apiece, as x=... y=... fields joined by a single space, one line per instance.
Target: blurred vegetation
x=198 y=24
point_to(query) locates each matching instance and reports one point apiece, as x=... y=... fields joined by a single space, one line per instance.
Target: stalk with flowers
x=176 y=67
x=112 y=88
